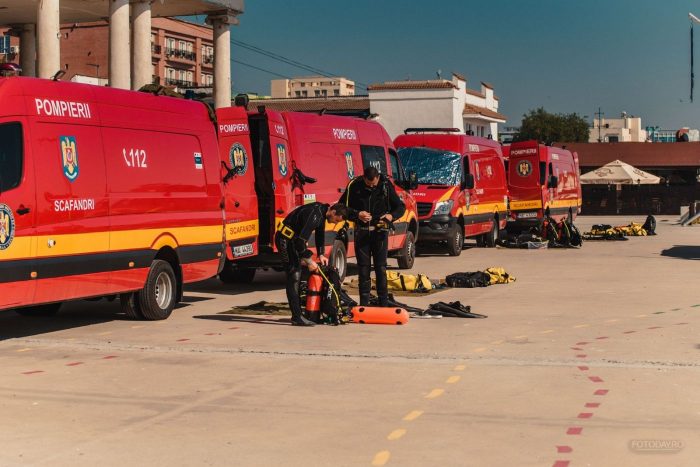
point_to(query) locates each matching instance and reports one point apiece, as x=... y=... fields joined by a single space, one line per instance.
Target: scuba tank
x=313 y=297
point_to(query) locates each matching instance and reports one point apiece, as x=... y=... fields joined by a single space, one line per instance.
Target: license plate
x=526 y=215
x=243 y=250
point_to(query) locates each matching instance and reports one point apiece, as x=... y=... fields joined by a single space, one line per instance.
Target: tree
x=543 y=126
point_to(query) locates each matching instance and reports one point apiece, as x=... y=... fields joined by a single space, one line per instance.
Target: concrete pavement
x=589 y=358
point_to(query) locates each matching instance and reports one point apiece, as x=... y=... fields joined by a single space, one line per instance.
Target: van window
x=432 y=166
x=543 y=173
x=374 y=156
x=11 y=156
x=395 y=168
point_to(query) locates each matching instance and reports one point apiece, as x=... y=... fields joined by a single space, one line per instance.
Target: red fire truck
x=282 y=160
x=105 y=192
x=542 y=181
x=462 y=188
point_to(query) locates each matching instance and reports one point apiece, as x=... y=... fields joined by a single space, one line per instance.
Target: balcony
x=156 y=49
x=178 y=83
x=180 y=54
x=208 y=60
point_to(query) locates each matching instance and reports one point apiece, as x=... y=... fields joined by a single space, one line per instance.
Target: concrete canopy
x=79 y=11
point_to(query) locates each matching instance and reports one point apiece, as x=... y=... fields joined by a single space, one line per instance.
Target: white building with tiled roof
x=437 y=103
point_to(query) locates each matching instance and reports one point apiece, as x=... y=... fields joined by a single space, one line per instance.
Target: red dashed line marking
x=561 y=464
x=212 y=334
x=182 y=340
x=110 y=357
x=576 y=348
x=574 y=430
x=33 y=372
x=596 y=379
x=602 y=337
x=680 y=324
x=235 y=327
x=655 y=327
x=74 y=364
x=601 y=392
x=564 y=449
x=629 y=332
x=585 y=415
x=582 y=343
x=592 y=405
x=583 y=368
x=581 y=355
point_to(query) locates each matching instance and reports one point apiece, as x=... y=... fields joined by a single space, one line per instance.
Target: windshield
x=432 y=166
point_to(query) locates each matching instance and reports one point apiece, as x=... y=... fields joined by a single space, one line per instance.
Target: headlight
x=443 y=207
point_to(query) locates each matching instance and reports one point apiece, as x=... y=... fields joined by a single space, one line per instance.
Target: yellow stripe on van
x=482 y=208
x=529 y=204
x=447 y=195
x=240 y=230
x=564 y=203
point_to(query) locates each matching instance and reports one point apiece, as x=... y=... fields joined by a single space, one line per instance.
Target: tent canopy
x=618 y=172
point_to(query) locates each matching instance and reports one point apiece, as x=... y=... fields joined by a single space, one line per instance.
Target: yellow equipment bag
x=408 y=282
x=632 y=230
x=499 y=276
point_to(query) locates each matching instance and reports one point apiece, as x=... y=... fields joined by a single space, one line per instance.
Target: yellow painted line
x=104 y=333
x=612 y=321
x=138 y=327
x=496 y=342
x=381 y=458
x=435 y=393
x=396 y=434
x=479 y=349
x=412 y=415
x=25 y=350
x=460 y=367
x=641 y=316
x=453 y=379
x=582 y=325
x=519 y=337
x=548 y=331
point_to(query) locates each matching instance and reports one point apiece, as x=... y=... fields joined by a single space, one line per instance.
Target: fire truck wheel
x=158 y=297
x=236 y=275
x=130 y=306
x=455 y=241
x=339 y=259
x=39 y=310
x=407 y=254
x=491 y=237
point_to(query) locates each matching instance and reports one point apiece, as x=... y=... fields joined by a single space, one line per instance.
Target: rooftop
x=409 y=84
x=470 y=109
x=640 y=155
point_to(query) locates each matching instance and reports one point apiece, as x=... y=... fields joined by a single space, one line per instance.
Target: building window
x=317 y=93
x=297 y=93
x=336 y=92
x=304 y=94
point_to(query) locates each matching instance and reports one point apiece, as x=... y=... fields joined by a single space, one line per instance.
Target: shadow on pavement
x=682 y=252
x=245 y=319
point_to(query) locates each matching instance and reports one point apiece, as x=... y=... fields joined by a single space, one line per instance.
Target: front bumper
x=436 y=227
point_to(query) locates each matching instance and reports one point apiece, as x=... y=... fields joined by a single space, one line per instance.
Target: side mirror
x=412 y=180
x=468 y=181
x=553 y=182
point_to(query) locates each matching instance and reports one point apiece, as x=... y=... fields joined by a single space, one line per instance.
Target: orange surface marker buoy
x=379 y=315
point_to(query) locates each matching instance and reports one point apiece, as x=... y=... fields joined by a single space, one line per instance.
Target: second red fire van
x=462 y=188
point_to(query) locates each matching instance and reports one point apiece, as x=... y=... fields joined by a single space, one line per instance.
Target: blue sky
x=563 y=55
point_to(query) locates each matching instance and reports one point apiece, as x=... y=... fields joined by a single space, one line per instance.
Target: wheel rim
x=164 y=290
x=409 y=248
x=494 y=232
x=339 y=264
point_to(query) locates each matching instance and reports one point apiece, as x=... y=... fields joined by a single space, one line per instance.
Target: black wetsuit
x=292 y=244
x=372 y=238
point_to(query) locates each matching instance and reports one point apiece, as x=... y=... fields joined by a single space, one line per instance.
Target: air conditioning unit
x=14 y=49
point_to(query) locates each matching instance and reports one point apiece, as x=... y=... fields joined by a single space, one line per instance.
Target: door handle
x=22 y=210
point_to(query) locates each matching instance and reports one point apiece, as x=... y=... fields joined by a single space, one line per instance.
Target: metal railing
x=178 y=82
x=183 y=54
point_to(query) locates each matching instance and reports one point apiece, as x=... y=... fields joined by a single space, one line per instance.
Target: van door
x=17 y=216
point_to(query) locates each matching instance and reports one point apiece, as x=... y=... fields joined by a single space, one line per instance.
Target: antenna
x=439 y=73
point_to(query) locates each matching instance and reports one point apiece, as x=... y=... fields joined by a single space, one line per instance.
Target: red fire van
x=104 y=192
x=542 y=181
x=462 y=188
x=292 y=159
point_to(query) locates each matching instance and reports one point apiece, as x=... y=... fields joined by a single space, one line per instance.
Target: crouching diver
x=292 y=239
x=374 y=206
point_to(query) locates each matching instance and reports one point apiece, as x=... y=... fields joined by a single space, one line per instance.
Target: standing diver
x=292 y=239
x=373 y=205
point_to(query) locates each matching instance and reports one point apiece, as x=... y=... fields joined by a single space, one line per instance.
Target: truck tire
x=130 y=306
x=491 y=237
x=339 y=259
x=407 y=254
x=455 y=241
x=159 y=295
x=39 y=310
x=232 y=274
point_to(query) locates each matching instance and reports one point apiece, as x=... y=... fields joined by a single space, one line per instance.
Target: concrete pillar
x=27 y=47
x=48 y=38
x=143 y=65
x=222 y=56
x=119 y=45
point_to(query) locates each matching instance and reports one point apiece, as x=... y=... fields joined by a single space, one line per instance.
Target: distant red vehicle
x=105 y=192
x=462 y=189
x=543 y=181
x=275 y=154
